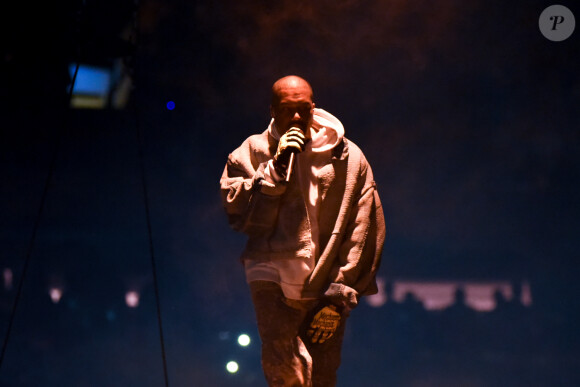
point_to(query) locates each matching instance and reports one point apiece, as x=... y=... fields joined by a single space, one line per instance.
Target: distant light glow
x=55 y=294
x=232 y=367
x=8 y=276
x=441 y=295
x=132 y=299
x=481 y=296
x=244 y=340
x=433 y=295
x=170 y=105
x=526 y=296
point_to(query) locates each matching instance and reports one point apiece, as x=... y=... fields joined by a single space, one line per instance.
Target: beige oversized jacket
x=274 y=216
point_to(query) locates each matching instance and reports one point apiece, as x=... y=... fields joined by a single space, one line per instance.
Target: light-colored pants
x=289 y=358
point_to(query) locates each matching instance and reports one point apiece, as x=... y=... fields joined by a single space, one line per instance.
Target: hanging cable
x=27 y=258
x=151 y=246
x=31 y=245
x=150 y=237
x=140 y=145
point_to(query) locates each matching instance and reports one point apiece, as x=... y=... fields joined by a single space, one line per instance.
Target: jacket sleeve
x=250 y=201
x=360 y=252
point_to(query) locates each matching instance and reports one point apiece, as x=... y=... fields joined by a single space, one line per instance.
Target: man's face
x=293 y=108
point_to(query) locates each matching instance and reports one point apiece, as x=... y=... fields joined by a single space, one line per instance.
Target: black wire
x=51 y=168
x=151 y=247
x=42 y=205
x=140 y=142
x=37 y=221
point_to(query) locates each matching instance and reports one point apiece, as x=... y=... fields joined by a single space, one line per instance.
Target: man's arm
x=249 y=195
x=252 y=181
x=360 y=253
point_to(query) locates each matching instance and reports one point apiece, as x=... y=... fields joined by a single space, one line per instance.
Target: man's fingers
x=294 y=139
x=296 y=130
x=316 y=336
x=328 y=335
x=323 y=336
x=295 y=134
x=294 y=146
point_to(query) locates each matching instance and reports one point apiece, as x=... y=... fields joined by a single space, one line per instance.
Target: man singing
x=305 y=197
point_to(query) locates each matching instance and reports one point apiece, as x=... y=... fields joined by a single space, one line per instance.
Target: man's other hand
x=324 y=324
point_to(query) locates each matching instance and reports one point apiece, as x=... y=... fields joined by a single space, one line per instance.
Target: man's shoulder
x=354 y=149
x=256 y=143
x=256 y=139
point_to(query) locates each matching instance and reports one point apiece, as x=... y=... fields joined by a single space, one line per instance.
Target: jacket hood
x=326 y=131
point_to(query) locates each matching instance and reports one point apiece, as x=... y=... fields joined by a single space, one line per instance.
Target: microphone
x=291 y=160
x=290 y=167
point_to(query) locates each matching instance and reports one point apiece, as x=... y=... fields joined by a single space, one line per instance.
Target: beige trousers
x=289 y=359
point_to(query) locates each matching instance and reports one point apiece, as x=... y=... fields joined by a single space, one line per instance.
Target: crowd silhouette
x=511 y=345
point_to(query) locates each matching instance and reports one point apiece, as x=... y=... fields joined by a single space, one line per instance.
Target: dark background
x=467 y=114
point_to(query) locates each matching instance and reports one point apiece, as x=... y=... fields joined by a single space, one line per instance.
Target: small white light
x=132 y=299
x=7 y=274
x=244 y=340
x=55 y=294
x=232 y=367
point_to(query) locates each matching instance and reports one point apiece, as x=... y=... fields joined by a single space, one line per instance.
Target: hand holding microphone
x=291 y=142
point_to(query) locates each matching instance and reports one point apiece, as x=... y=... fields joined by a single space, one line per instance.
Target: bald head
x=292 y=103
x=290 y=84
